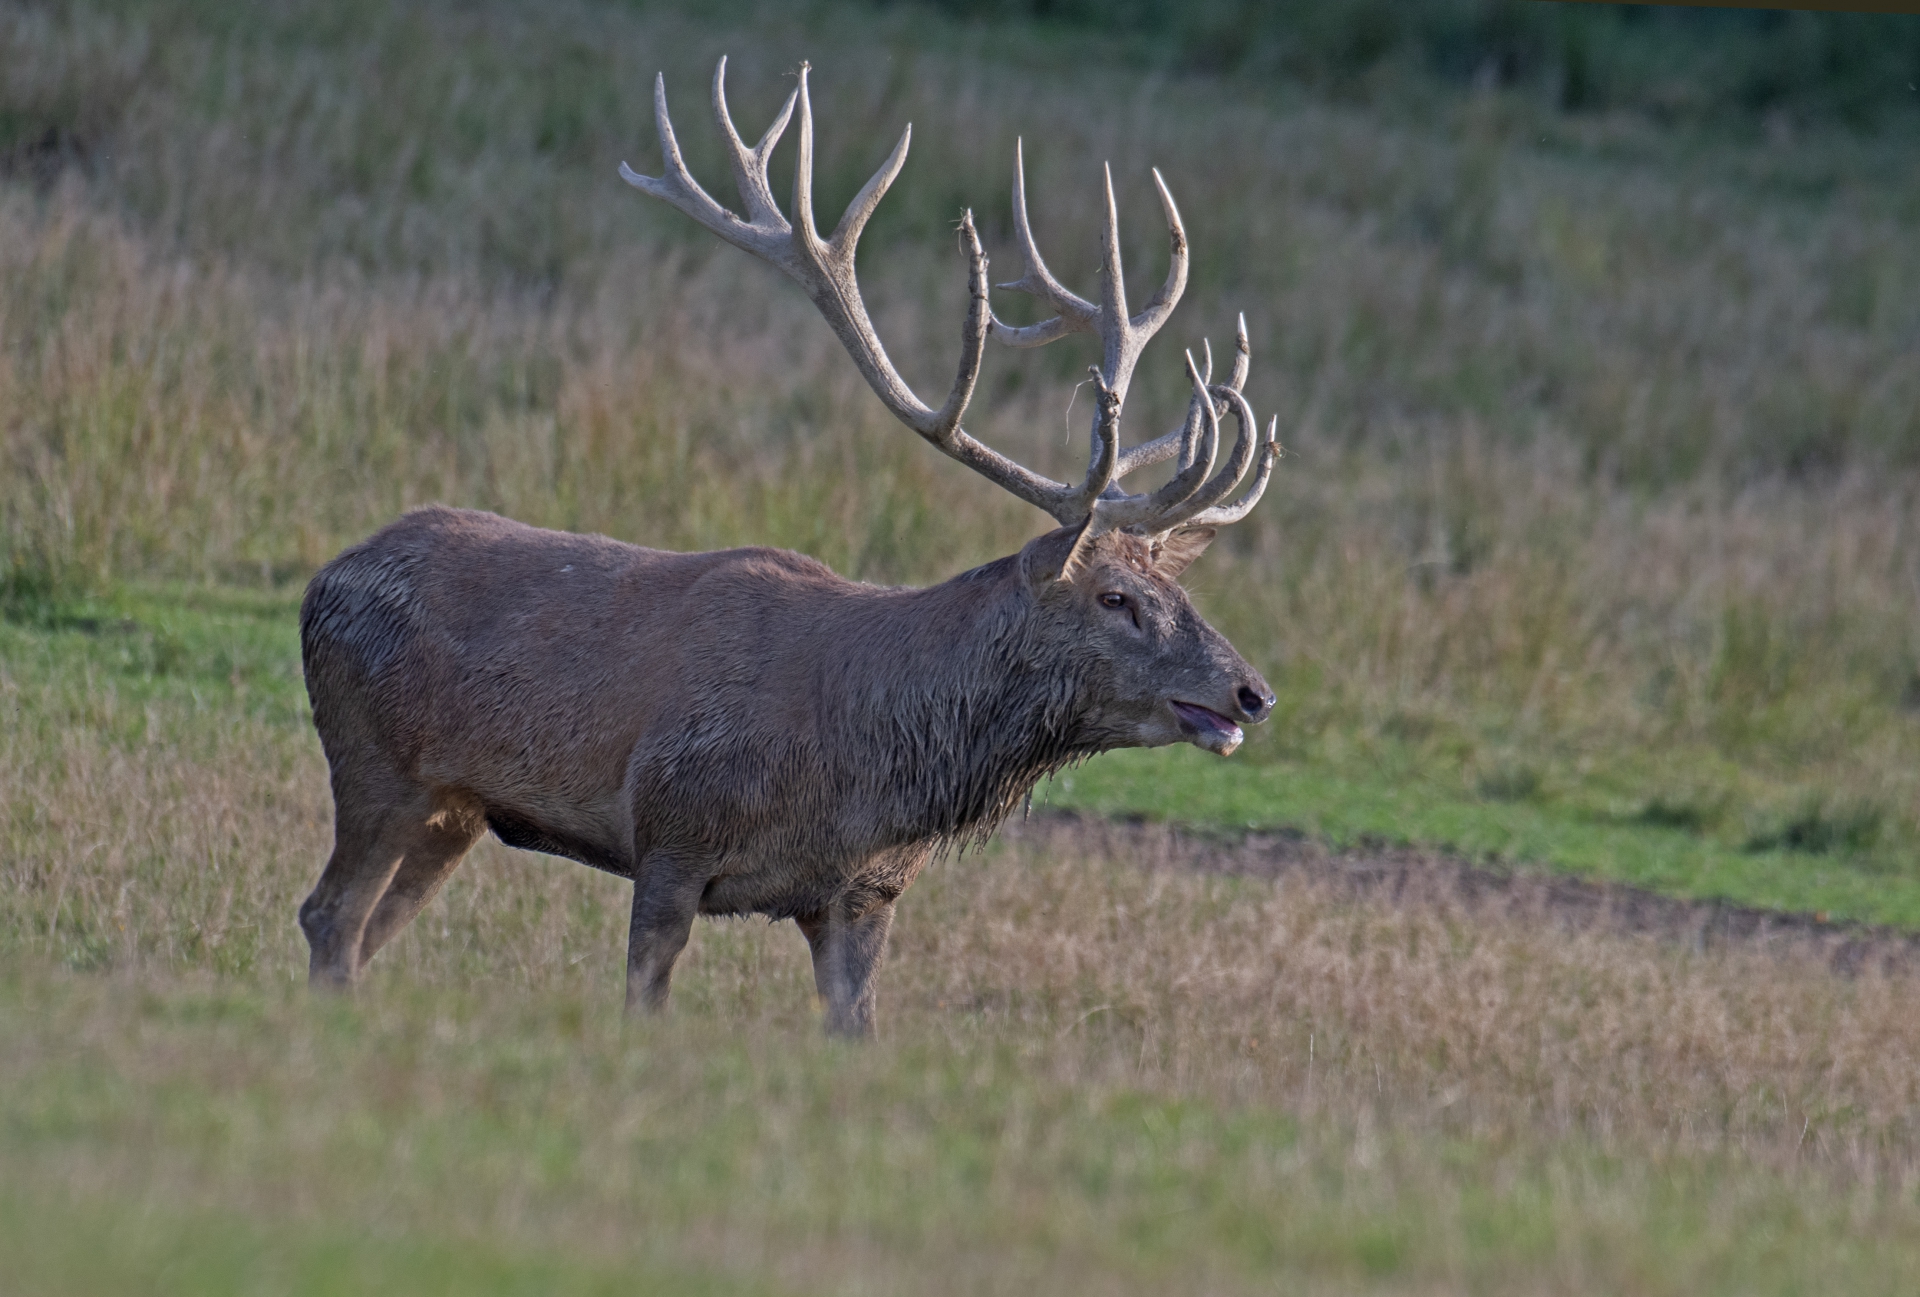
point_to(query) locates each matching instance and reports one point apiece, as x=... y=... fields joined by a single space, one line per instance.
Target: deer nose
x=1253 y=703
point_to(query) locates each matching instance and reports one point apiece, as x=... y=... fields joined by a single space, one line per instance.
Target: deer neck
x=972 y=713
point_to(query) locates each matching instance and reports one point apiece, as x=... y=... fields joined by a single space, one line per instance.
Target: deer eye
x=1112 y=600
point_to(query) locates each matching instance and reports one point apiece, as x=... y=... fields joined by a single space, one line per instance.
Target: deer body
x=745 y=731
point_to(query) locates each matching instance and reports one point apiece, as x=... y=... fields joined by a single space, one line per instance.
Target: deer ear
x=1174 y=552
x=1056 y=556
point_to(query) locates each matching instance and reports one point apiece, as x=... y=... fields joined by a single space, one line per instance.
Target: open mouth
x=1207 y=727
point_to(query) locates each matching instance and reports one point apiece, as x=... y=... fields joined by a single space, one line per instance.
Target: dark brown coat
x=738 y=732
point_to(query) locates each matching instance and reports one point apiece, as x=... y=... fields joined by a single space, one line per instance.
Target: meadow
x=1101 y=1068
x=1594 y=548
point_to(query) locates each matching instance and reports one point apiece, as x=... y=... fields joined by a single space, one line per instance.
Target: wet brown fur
x=738 y=732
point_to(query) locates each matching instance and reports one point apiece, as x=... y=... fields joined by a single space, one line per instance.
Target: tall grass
x=1602 y=446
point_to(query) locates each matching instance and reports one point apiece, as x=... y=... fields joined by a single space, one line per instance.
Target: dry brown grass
x=170 y=857
x=1473 y=1096
x=1485 y=1020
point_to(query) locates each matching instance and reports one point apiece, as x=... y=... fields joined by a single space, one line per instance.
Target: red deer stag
x=744 y=731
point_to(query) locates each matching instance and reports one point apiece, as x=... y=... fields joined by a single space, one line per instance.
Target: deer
x=745 y=731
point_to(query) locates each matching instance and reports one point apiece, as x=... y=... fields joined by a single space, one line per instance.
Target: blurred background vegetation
x=1733 y=68
x=1592 y=331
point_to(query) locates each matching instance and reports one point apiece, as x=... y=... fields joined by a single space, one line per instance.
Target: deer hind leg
x=847 y=948
x=380 y=825
x=432 y=851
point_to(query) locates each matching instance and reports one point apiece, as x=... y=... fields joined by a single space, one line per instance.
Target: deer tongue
x=1208 y=728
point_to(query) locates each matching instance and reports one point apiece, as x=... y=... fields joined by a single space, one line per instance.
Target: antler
x=825 y=270
x=1190 y=498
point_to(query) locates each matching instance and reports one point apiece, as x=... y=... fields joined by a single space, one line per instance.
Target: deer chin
x=1205 y=728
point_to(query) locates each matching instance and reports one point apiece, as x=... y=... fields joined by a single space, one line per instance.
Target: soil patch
x=1417 y=876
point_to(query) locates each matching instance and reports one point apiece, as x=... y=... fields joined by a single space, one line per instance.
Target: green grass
x=185 y=1139
x=196 y=647
x=53 y=1245
x=1572 y=835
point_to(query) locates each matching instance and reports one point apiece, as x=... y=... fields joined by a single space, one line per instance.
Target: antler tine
x=750 y=165
x=1221 y=515
x=1190 y=432
x=1113 y=283
x=1167 y=296
x=678 y=187
x=861 y=209
x=1200 y=442
x=1217 y=487
x=805 y=235
x=1073 y=313
x=1083 y=503
x=1203 y=429
x=1242 y=356
x=1167 y=445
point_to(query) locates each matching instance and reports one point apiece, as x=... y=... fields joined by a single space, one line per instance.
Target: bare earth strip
x=1417 y=877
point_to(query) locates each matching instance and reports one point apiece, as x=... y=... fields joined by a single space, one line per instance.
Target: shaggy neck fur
x=984 y=710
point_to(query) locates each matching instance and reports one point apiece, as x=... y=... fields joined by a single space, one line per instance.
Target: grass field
x=1594 y=550
x=1099 y=1071
x=104 y=665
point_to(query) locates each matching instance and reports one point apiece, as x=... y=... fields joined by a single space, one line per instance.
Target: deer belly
x=786 y=889
x=516 y=830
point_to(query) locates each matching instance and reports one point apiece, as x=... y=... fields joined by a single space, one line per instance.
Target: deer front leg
x=666 y=898
x=846 y=952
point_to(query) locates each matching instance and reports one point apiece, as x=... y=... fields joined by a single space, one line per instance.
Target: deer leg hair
x=846 y=953
x=666 y=898
x=394 y=845
x=378 y=822
x=433 y=852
